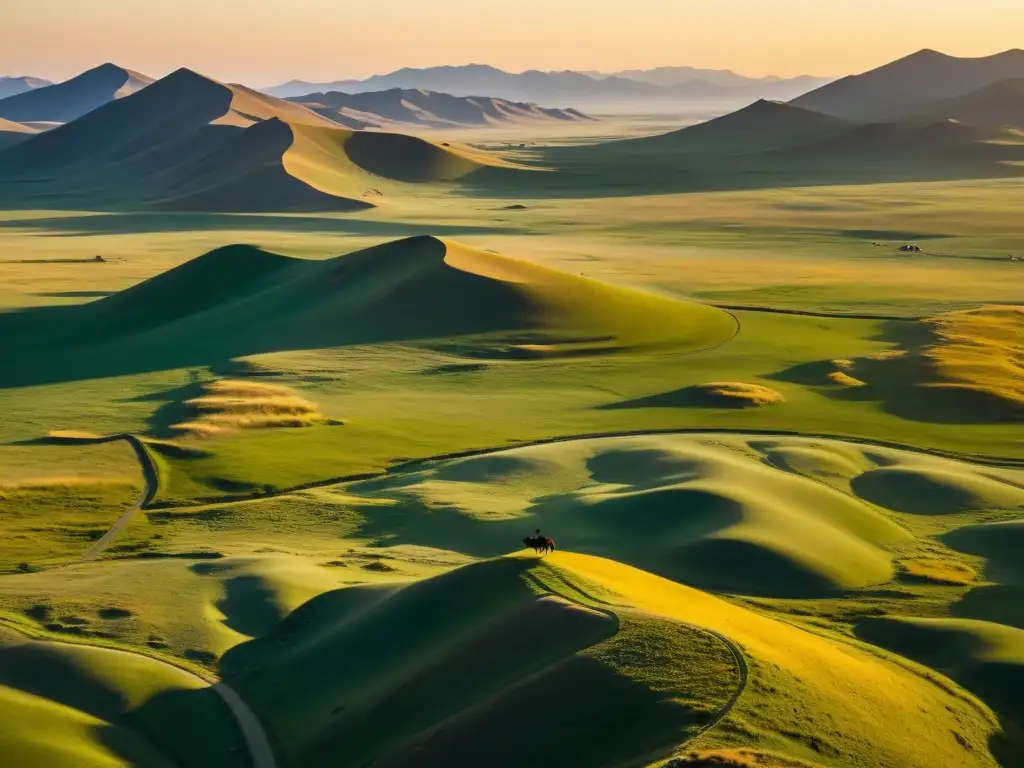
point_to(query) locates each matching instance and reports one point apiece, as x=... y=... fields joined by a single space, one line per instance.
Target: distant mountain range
x=397 y=108
x=578 y=89
x=45 y=106
x=906 y=86
x=112 y=138
x=670 y=76
x=12 y=86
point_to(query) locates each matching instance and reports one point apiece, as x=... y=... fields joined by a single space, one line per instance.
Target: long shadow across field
x=156 y=223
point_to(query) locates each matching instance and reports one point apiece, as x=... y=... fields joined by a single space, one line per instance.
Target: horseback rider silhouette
x=539 y=542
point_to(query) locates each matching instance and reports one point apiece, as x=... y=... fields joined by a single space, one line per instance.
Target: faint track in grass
x=255 y=736
x=738 y=657
x=150 y=485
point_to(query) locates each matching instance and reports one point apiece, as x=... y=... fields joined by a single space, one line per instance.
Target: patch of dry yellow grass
x=71 y=435
x=58 y=481
x=938 y=571
x=734 y=758
x=980 y=351
x=844 y=379
x=737 y=394
x=230 y=404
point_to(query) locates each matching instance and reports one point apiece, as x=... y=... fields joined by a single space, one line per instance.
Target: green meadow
x=266 y=473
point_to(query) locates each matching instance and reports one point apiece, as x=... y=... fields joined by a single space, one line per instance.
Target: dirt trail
x=149 y=489
x=256 y=741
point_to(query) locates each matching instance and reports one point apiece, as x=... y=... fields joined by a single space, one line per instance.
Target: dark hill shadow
x=150 y=222
x=140 y=735
x=440 y=671
x=239 y=301
x=667 y=531
x=685 y=397
x=643 y=166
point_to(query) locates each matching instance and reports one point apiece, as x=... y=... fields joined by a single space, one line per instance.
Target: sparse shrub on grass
x=734 y=758
x=70 y=436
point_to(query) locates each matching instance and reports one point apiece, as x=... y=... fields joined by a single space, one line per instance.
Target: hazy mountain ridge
x=582 y=90
x=895 y=90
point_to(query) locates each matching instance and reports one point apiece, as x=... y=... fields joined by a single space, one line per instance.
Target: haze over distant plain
x=262 y=42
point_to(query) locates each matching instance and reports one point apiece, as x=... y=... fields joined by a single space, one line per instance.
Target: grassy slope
x=682 y=507
x=845 y=692
x=248 y=597
x=421 y=290
x=106 y=708
x=197 y=608
x=485 y=649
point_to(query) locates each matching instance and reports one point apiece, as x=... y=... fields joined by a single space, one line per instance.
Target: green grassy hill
x=597 y=663
x=422 y=291
x=772 y=517
x=704 y=515
x=70 y=706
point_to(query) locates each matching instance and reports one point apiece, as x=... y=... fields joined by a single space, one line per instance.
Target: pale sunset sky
x=263 y=42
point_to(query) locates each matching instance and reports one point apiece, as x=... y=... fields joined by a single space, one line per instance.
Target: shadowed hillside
x=763 y=125
x=12 y=133
x=769 y=144
x=421 y=290
x=892 y=90
x=191 y=143
x=73 y=98
x=994 y=106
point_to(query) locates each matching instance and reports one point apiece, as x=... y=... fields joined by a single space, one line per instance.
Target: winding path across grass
x=150 y=483
x=256 y=741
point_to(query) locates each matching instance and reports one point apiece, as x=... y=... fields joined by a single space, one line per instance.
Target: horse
x=540 y=544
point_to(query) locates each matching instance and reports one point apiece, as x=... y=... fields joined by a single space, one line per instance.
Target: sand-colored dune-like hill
x=399 y=107
x=191 y=143
x=12 y=133
x=69 y=100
